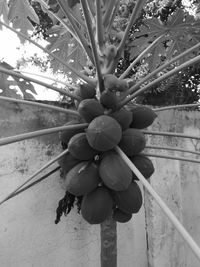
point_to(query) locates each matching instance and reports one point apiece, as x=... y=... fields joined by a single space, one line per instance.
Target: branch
x=171 y=134
x=176 y=107
x=185 y=235
x=32 y=184
x=99 y=24
x=21 y=137
x=31 y=103
x=138 y=7
x=173 y=149
x=26 y=78
x=158 y=80
x=164 y=66
x=80 y=75
x=33 y=175
x=92 y=41
x=64 y=6
x=170 y=157
x=126 y=72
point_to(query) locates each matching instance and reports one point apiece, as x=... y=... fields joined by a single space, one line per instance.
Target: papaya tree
x=103 y=156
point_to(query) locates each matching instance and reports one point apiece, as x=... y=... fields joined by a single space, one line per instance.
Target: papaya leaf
x=21 y=13
x=9 y=87
x=181 y=32
x=4 y=11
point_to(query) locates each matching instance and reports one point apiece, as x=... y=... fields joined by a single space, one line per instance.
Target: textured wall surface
x=28 y=235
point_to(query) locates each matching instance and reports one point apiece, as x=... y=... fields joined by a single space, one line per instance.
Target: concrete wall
x=28 y=235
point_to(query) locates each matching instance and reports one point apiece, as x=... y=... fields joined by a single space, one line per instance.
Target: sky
x=11 y=50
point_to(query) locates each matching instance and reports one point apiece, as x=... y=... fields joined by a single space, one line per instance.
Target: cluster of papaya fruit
x=92 y=168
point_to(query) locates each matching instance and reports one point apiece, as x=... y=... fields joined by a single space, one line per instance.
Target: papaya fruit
x=67 y=162
x=90 y=109
x=65 y=136
x=129 y=200
x=79 y=147
x=103 y=133
x=108 y=99
x=142 y=117
x=97 y=205
x=132 y=142
x=114 y=172
x=144 y=165
x=87 y=91
x=82 y=178
x=121 y=216
x=124 y=117
x=112 y=83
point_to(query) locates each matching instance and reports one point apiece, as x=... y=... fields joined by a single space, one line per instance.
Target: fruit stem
x=185 y=235
x=92 y=41
x=158 y=80
x=80 y=75
x=26 y=78
x=171 y=134
x=33 y=175
x=36 y=104
x=109 y=243
x=99 y=24
x=126 y=72
x=66 y=9
x=176 y=107
x=173 y=149
x=20 y=137
x=138 y=7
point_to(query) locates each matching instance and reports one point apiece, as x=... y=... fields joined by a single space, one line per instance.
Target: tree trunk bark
x=109 y=243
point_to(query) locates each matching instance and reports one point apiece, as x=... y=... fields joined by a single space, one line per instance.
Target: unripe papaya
x=97 y=205
x=103 y=133
x=108 y=99
x=79 y=147
x=130 y=200
x=142 y=117
x=132 y=142
x=112 y=83
x=87 y=91
x=121 y=216
x=90 y=109
x=114 y=172
x=124 y=117
x=82 y=178
x=67 y=162
x=144 y=165
x=65 y=136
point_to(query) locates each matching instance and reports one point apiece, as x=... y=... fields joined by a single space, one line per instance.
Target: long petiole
x=39 y=105
x=33 y=175
x=99 y=24
x=170 y=157
x=172 y=149
x=82 y=40
x=113 y=14
x=25 y=136
x=171 y=134
x=26 y=78
x=108 y=14
x=92 y=41
x=80 y=75
x=126 y=72
x=176 y=107
x=162 y=67
x=138 y=7
x=179 y=227
x=48 y=78
x=161 y=78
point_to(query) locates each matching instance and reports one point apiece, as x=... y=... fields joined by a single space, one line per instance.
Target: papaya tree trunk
x=109 y=243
